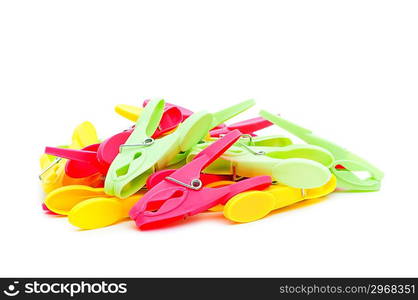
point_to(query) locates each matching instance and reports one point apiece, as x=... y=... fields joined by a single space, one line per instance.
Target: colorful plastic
x=345 y=164
x=141 y=155
x=99 y=157
x=299 y=166
x=182 y=193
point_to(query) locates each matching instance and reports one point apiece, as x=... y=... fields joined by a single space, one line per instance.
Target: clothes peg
x=345 y=164
x=81 y=163
x=53 y=174
x=254 y=205
x=182 y=193
x=141 y=155
x=298 y=166
x=89 y=208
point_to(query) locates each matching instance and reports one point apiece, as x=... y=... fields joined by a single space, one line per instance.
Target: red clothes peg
x=182 y=194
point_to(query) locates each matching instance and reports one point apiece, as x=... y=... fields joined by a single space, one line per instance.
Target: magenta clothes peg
x=81 y=163
x=181 y=194
x=246 y=127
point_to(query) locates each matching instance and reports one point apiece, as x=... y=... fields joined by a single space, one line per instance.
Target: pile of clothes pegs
x=174 y=163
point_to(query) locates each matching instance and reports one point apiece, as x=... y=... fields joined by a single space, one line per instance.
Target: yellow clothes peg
x=88 y=207
x=254 y=205
x=53 y=175
x=102 y=211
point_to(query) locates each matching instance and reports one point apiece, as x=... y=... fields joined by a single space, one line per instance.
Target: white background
x=348 y=70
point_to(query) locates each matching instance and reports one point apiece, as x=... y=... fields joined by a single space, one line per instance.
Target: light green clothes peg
x=299 y=166
x=141 y=155
x=345 y=164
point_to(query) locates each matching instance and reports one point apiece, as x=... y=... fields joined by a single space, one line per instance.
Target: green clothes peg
x=142 y=155
x=345 y=164
x=299 y=166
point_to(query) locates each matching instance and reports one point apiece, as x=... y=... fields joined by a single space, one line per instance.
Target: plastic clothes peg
x=141 y=155
x=110 y=147
x=182 y=193
x=345 y=164
x=299 y=166
x=53 y=174
x=254 y=205
x=81 y=163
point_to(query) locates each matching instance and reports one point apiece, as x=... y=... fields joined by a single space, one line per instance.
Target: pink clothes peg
x=182 y=194
x=246 y=127
x=159 y=176
x=81 y=163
